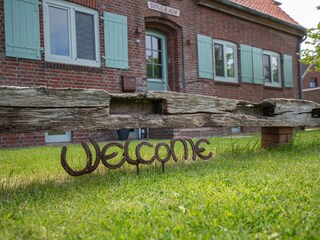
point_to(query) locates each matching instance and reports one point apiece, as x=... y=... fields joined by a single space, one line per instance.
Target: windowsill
x=273 y=85
x=236 y=84
x=85 y=63
x=311 y=89
x=72 y=67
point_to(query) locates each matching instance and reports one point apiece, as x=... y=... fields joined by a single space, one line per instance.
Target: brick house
x=241 y=49
x=310 y=83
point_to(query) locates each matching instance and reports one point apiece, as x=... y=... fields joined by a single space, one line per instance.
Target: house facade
x=240 y=49
x=311 y=83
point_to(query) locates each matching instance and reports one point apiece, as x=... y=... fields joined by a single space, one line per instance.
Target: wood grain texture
x=52 y=97
x=43 y=109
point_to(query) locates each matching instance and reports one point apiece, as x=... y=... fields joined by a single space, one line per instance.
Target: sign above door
x=161 y=8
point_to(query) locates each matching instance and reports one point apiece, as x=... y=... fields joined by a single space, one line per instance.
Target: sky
x=303 y=11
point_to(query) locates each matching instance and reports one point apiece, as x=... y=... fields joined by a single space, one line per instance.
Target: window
x=264 y=67
x=225 y=61
x=217 y=59
x=154 y=57
x=57 y=136
x=71 y=33
x=271 y=69
x=313 y=83
x=156 y=61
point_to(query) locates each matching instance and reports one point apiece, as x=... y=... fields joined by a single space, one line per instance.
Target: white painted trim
x=311 y=89
x=57 y=138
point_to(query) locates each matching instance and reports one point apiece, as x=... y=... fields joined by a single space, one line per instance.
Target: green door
x=156 y=59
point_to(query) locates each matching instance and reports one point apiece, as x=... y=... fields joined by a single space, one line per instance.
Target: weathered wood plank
x=177 y=103
x=52 y=98
x=19 y=120
x=30 y=120
x=43 y=109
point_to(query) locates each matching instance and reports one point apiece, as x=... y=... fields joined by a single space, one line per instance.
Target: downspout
x=302 y=39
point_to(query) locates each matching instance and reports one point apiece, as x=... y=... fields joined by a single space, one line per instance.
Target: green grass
x=244 y=192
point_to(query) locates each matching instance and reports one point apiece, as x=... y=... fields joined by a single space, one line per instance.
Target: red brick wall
x=23 y=72
x=312 y=94
x=222 y=26
x=308 y=76
x=276 y=136
x=21 y=140
x=38 y=138
x=78 y=136
x=188 y=132
x=182 y=47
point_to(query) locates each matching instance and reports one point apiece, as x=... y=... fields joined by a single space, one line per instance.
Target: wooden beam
x=43 y=109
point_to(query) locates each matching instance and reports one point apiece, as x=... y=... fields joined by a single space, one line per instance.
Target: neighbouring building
x=310 y=83
x=240 y=49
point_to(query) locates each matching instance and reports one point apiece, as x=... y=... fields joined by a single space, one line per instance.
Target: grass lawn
x=244 y=192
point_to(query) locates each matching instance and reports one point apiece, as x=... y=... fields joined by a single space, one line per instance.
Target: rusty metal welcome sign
x=163 y=152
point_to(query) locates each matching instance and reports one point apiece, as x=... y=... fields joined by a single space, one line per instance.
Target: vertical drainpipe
x=301 y=40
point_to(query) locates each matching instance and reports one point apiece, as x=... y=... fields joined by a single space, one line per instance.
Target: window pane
x=275 y=69
x=149 y=71
x=156 y=43
x=160 y=57
x=149 y=56
x=148 y=42
x=59 y=31
x=157 y=59
x=85 y=34
x=230 y=62
x=157 y=72
x=219 y=61
x=266 y=68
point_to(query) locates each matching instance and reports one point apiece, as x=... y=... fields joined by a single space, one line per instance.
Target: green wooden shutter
x=257 y=66
x=116 y=40
x=205 y=57
x=22 y=31
x=246 y=63
x=288 y=71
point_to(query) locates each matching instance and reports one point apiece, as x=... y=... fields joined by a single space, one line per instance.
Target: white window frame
x=272 y=83
x=234 y=47
x=72 y=59
x=57 y=138
x=313 y=80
